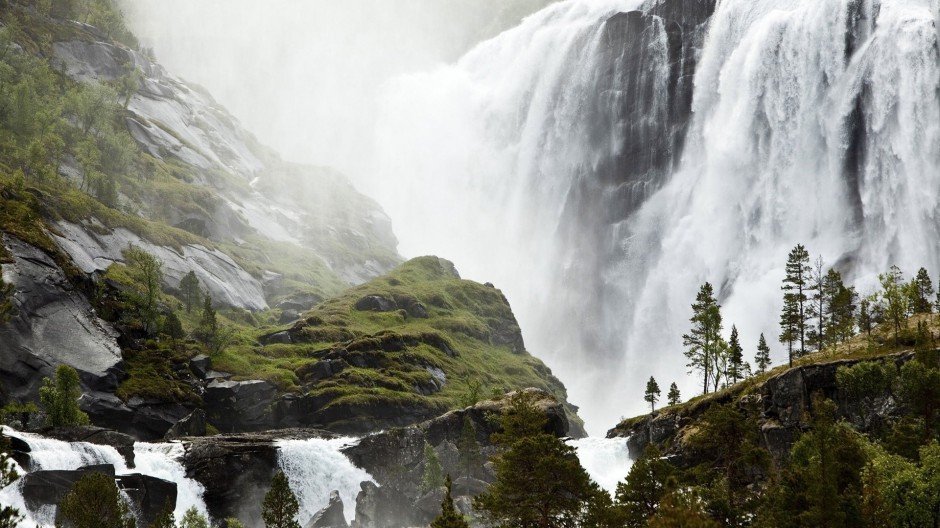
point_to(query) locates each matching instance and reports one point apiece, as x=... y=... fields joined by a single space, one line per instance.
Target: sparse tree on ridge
x=793 y=318
x=673 y=397
x=735 y=357
x=896 y=295
x=762 y=359
x=921 y=293
x=704 y=339
x=841 y=302
x=816 y=307
x=652 y=393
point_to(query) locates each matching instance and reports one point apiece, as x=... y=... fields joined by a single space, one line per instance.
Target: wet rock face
x=148 y=495
x=53 y=324
x=49 y=487
x=240 y=405
x=332 y=516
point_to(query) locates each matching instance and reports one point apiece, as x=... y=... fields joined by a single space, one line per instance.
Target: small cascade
x=314 y=468
x=607 y=460
x=156 y=460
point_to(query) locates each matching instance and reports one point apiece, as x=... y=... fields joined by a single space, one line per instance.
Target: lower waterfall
x=607 y=460
x=314 y=468
x=159 y=460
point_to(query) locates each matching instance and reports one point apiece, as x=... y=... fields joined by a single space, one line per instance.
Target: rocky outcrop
x=192 y=425
x=48 y=487
x=396 y=460
x=124 y=444
x=53 y=324
x=149 y=495
x=240 y=405
x=782 y=401
x=330 y=517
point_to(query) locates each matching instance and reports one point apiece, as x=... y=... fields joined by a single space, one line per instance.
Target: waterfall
x=600 y=167
x=607 y=460
x=314 y=468
x=156 y=460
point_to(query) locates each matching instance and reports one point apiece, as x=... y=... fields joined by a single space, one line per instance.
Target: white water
x=314 y=468
x=477 y=162
x=157 y=460
x=606 y=460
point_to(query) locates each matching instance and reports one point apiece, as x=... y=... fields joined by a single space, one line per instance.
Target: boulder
x=49 y=487
x=200 y=365
x=375 y=303
x=288 y=316
x=381 y=507
x=123 y=443
x=240 y=405
x=192 y=425
x=332 y=516
x=148 y=494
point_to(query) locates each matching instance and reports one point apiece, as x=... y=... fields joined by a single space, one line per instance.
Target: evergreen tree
x=94 y=502
x=735 y=357
x=232 y=522
x=762 y=359
x=433 y=472
x=841 y=306
x=638 y=496
x=652 y=393
x=720 y=364
x=208 y=323
x=165 y=519
x=703 y=340
x=794 y=317
x=193 y=519
x=173 y=328
x=9 y=516
x=449 y=517
x=58 y=398
x=865 y=320
x=190 y=289
x=673 y=397
x=280 y=506
x=922 y=292
x=468 y=448
x=896 y=296
x=147 y=272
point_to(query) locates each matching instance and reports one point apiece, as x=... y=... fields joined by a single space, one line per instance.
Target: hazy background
x=303 y=75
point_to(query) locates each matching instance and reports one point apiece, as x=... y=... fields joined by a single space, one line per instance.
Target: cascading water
x=314 y=468
x=156 y=460
x=600 y=167
x=607 y=460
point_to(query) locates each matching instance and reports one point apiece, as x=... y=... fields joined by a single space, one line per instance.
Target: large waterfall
x=599 y=167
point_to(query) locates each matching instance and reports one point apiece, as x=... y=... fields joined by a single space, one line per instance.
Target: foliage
x=639 y=495
x=919 y=389
x=762 y=359
x=193 y=519
x=94 y=502
x=673 y=397
x=449 y=517
x=652 y=393
x=6 y=301
x=736 y=370
x=190 y=290
x=896 y=296
x=280 y=506
x=704 y=339
x=58 y=398
x=165 y=519
x=794 y=316
x=922 y=293
x=468 y=449
x=146 y=272
x=864 y=382
x=433 y=477
x=232 y=522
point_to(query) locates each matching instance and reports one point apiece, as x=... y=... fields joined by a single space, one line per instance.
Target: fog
x=303 y=75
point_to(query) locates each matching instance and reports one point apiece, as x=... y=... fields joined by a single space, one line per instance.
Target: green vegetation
x=166 y=518
x=94 y=502
x=449 y=517
x=59 y=398
x=280 y=506
x=193 y=519
x=703 y=342
x=433 y=477
x=652 y=393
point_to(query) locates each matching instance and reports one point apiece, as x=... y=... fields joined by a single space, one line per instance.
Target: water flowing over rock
x=619 y=154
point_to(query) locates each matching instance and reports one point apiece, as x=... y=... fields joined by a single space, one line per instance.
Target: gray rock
x=375 y=303
x=240 y=405
x=282 y=337
x=49 y=487
x=148 y=494
x=53 y=324
x=201 y=365
x=288 y=316
x=192 y=425
x=331 y=516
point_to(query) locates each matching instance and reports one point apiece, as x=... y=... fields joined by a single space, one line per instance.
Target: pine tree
x=58 y=398
x=735 y=357
x=896 y=296
x=673 y=397
x=165 y=519
x=280 y=506
x=173 y=327
x=193 y=519
x=793 y=318
x=94 y=502
x=703 y=341
x=841 y=308
x=449 y=517
x=865 y=322
x=189 y=287
x=433 y=472
x=762 y=359
x=652 y=393
x=468 y=448
x=921 y=293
